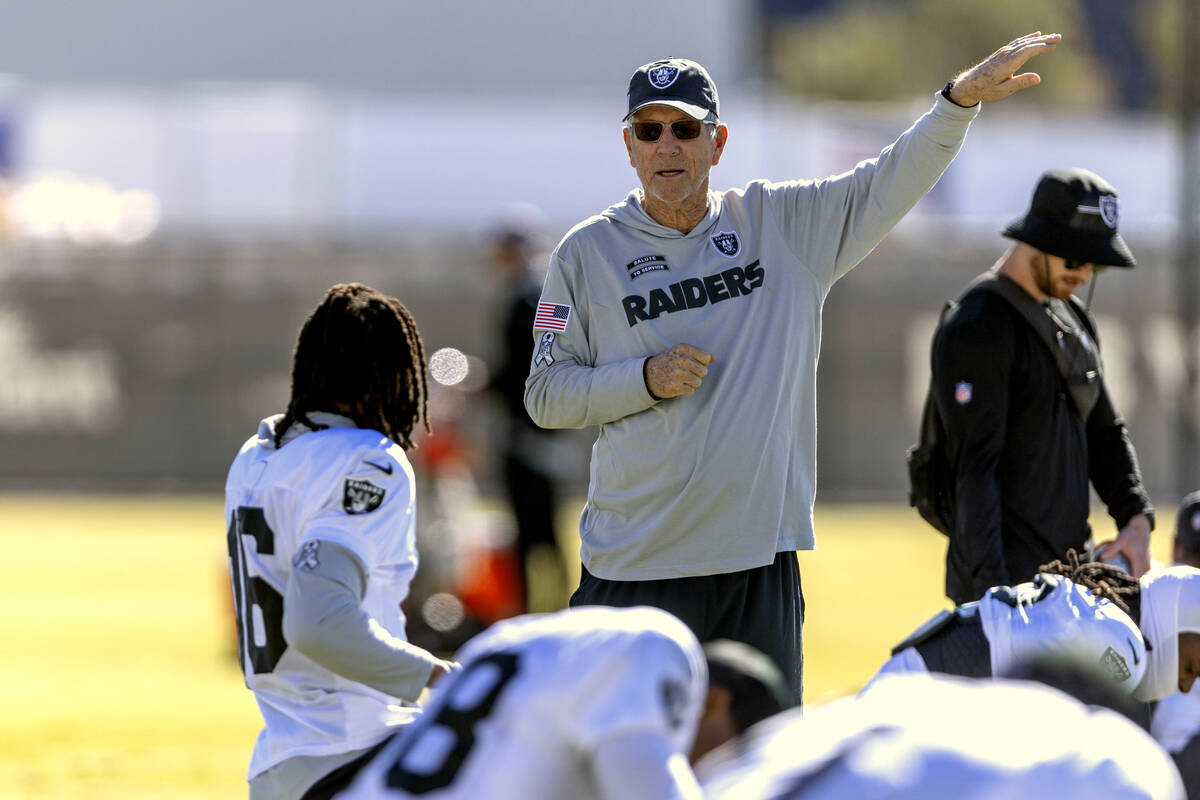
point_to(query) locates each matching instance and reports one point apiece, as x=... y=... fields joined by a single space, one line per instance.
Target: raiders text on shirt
x=694 y=292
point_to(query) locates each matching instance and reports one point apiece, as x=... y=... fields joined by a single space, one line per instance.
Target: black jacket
x=1021 y=455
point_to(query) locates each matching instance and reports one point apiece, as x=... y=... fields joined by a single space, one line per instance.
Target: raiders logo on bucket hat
x=675 y=82
x=1073 y=215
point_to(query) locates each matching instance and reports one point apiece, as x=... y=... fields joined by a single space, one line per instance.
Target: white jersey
x=1049 y=616
x=535 y=696
x=922 y=736
x=1176 y=720
x=346 y=485
x=1053 y=616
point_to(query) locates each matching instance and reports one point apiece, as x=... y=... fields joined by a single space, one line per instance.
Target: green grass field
x=115 y=660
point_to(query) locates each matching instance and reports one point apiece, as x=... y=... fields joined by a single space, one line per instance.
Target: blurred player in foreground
x=320 y=507
x=587 y=703
x=924 y=736
x=1083 y=611
x=1176 y=720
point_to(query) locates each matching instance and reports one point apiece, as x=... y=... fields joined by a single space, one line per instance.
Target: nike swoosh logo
x=382 y=468
x=1136 y=660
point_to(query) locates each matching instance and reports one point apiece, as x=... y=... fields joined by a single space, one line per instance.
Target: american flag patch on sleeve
x=551 y=317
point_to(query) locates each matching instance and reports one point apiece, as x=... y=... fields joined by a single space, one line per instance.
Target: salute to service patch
x=643 y=264
x=361 y=497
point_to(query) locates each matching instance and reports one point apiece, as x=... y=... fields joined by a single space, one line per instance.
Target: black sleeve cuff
x=1123 y=518
x=946 y=94
x=647 y=382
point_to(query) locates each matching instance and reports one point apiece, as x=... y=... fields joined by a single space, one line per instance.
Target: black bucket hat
x=675 y=82
x=1073 y=215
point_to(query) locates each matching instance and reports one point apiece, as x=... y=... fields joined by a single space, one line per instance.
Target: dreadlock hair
x=1105 y=580
x=360 y=354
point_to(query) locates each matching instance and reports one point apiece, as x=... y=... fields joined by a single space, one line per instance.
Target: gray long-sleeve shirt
x=722 y=480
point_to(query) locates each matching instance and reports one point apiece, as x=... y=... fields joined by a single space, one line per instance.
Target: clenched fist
x=676 y=372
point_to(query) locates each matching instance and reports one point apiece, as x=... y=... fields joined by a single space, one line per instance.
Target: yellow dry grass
x=115 y=665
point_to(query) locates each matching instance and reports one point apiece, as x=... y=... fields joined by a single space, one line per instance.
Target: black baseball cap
x=1073 y=215
x=1187 y=522
x=675 y=82
x=758 y=687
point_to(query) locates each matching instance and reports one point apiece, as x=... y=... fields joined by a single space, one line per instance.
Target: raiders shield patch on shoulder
x=1114 y=665
x=361 y=497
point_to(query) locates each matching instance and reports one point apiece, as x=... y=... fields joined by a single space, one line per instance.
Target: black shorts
x=763 y=607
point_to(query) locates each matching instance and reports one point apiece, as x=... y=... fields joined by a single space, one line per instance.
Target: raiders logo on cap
x=662 y=77
x=727 y=243
x=1108 y=210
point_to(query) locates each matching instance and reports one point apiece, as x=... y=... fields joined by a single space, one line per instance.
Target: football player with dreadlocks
x=1144 y=634
x=320 y=506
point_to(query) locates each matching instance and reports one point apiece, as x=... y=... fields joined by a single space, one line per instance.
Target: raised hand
x=993 y=78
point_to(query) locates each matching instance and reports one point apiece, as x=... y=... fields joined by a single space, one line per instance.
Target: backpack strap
x=1065 y=329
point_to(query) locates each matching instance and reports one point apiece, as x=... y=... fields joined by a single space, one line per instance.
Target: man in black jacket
x=1025 y=433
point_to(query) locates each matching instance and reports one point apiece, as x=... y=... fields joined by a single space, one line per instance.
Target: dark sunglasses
x=682 y=129
x=1071 y=263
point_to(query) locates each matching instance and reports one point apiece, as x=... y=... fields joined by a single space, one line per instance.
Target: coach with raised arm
x=686 y=323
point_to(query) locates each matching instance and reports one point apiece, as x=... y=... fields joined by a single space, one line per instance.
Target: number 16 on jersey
x=258 y=606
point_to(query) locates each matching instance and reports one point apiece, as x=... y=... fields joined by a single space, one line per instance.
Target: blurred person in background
x=531 y=456
x=1027 y=417
x=320 y=505
x=589 y=702
x=913 y=737
x=1143 y=634
x=1176 y=720
x=686 y=323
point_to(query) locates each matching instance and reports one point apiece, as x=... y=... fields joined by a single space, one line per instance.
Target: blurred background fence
x=180 y=184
